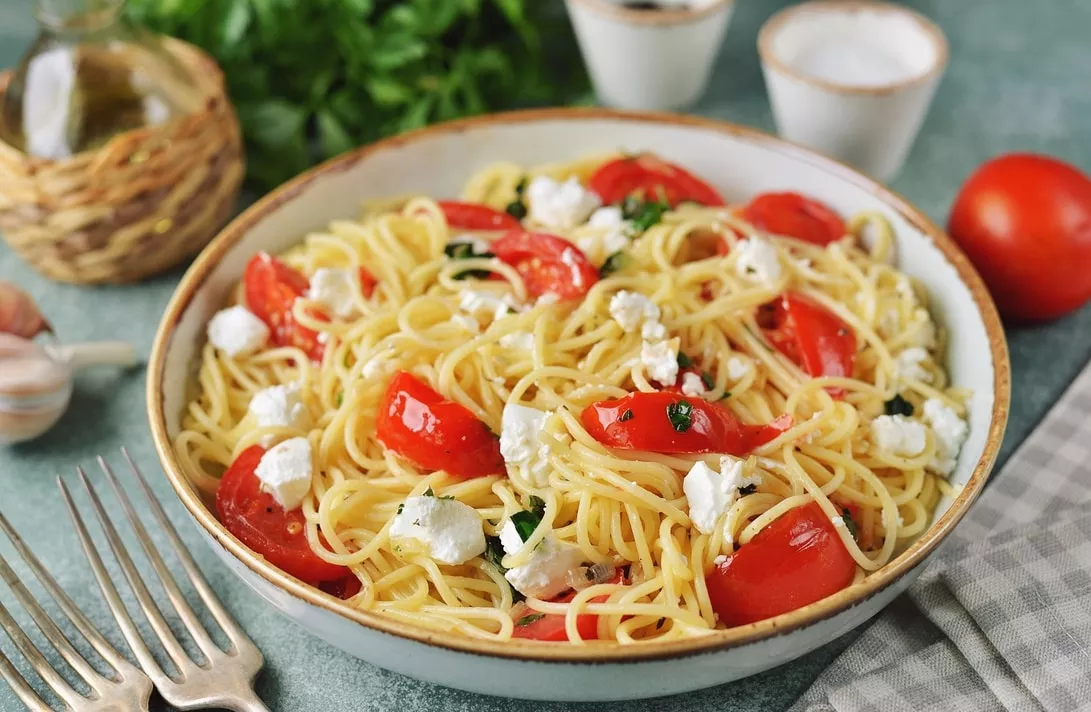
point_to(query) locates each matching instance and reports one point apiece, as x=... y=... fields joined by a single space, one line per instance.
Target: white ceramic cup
x=852 y=79
x=650 y=59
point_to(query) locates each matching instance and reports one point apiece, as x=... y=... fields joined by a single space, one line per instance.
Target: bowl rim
x=666 y=17
x=774 y=24
x=720 y=640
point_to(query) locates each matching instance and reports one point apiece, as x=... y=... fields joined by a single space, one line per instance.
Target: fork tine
x=79 y=620
x=174 y=594
x=19 y=686
x=109 y=591
x=37 y=661
x=143 y=596
x=49 y=629
x=234 y=633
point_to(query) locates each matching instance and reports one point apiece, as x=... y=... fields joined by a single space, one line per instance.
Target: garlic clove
x=19 y=314
x=27 y=370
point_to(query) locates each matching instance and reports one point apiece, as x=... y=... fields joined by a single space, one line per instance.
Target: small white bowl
x=650 y=59
x=852 y=79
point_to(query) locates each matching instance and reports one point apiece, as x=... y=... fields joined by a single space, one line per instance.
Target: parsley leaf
x=898 y=406
x=465 y=251
x=537 y=506
x=643 y=214
x=494 y=552
x=850 y=523
x=684 y=361
x=627 y=414
x=428 y=493
x=401 y=507
x=680 y=415
x=614 y=263
x=517 y=209
x=748 y=489
x=527 y=620
x=525 y=523
x=708 y=380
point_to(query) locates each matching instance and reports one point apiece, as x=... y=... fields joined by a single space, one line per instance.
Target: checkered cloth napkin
x=1001 y=620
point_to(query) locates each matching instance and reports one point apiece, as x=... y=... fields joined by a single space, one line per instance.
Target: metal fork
x=126 y=689
x=225 y=678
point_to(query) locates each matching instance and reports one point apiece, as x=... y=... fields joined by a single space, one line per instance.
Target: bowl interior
x=739 y=162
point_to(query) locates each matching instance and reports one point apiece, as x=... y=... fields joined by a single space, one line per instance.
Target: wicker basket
x=143 y=202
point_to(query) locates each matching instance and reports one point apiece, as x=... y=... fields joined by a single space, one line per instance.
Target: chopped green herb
x=748 y=489
x=521 y=186
x=680 y=414
x=708 y=380
x=401 y=507
x=494 y=552
x=850 y=523
x=429 y=493
x=525 y=523
x=448 y=497
x=465 y=251
x=642 y=214
x=614 y=263
x=517 y=209
x=527 y=620
x=726 y=395
x=627 y=414
x=684 y=361
x=898 y=406
x=537 y=506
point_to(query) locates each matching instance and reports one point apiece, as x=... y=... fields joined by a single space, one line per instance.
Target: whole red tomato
x=1025 y=222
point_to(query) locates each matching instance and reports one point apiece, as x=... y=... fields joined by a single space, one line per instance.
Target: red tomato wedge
x=797 y=559
x=548 y=264
x=813 y=337
x=550 y=626
x=796 y=216
x=256 y=520
x=474 y=216
x=649 y=177
x=271 y=287
x=668 y=423
x=343 y=588
x=435 y=433
x=367 y=282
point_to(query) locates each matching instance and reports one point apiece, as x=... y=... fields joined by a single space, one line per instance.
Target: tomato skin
x=548 y=264
x=435 y=433
x=797 y=559
x=796 y=216
x=1025 y=222
x=343 y=588
x=256 y=520
x=811 y=336
x=713 y=428
x=473 y=216
x=367 y=282
x=551 y=626
x=271 y=287
x=650 y=178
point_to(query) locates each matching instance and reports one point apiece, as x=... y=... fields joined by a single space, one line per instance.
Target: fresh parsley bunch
x=313 y=78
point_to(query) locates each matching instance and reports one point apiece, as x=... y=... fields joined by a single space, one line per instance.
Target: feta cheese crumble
x=631 y=309
x=518 y=340
x=472 y=302
x=279 y=407
x=692 y=385
x=521 y=443
x=237 y=332
x=285 y=472
x=737 y=368
x=560 y=205
x=546 y=573
x=758 y=261
x=710 y=494
x=660 y=361
x=615 y=238
x=908 y=366
x=451 y=530
x=653 y=331
x=950 y=431
x=898 y=435
x=333 y=288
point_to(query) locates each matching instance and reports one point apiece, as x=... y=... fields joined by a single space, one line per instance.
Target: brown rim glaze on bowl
x=652 y=17
x=564 y=652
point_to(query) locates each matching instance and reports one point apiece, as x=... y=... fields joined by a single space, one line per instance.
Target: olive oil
x=87 y=78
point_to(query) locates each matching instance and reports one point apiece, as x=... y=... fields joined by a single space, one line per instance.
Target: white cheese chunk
x=521 y=443
x=631 y=309
x=710 y=494
x=560 y=205
x=660 y=361
x=692 y=385
x=472 y=302
x=653 y=331
x=546 y=573
x=279 y=407
x=237 y=332
x=898 y=435
x=451 y=530
x=758 y=261
x=615 y=238
x=950 y=430
x=379 y=364
x=477 y=245
x=518 y=340
x=908 y=365
x=737 y=368
x=285 y=472
x=334 y=289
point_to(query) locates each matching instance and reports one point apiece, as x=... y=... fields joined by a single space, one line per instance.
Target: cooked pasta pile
x=487 y=342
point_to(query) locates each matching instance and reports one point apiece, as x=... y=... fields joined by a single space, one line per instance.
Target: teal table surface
x=1017 y=81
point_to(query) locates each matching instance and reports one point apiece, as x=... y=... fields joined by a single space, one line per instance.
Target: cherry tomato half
x=271 y=287
x=668 y=423
x=551 y=626
x=796 y=216
x=797 y=559
x=435 y=433
x=811 y=336
x=343 y=588
x=650 y=178
x=548 y=264
x=367 y=282
x=1025 y=222
x=257 y=520
x=474 y=216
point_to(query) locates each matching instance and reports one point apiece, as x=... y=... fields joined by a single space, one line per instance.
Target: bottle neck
x=77 y=16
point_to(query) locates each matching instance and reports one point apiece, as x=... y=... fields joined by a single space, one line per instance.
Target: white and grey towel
x=1001 y=620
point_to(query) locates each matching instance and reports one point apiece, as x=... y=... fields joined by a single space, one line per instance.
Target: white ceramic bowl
x=436 y=161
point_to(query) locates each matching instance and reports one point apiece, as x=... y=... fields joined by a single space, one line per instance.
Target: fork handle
x=246 y=701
